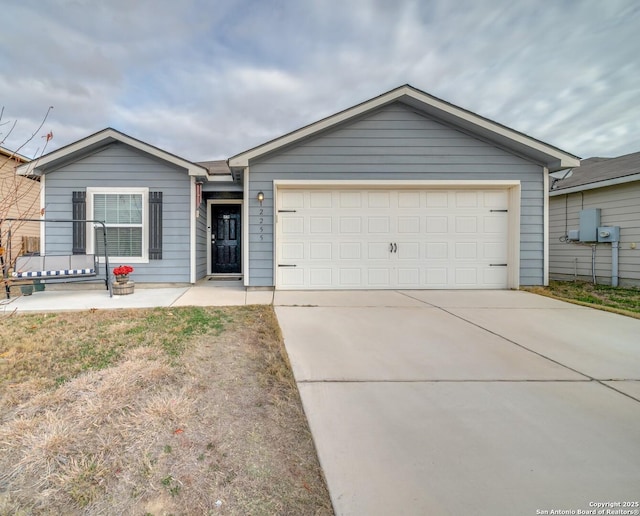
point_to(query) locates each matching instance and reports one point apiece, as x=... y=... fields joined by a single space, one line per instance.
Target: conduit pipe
x=615 y=246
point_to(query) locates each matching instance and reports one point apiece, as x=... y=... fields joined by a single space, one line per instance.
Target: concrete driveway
x=467 y=402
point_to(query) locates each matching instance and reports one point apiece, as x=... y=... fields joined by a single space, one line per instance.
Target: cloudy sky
x=206 y=79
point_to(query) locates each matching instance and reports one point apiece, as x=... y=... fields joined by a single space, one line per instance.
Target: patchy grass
x=163 y=411
x=620 y=300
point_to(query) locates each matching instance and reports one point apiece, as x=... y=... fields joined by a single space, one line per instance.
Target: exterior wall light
x=260 y=197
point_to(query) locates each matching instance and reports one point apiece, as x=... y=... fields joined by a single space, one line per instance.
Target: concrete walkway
x=466 y=402
x=205 y=293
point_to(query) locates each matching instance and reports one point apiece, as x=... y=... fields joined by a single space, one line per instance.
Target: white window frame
x=91 y=191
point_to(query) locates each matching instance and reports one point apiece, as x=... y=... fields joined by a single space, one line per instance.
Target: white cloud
x=209 y=80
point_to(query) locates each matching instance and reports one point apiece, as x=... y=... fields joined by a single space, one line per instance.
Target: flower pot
x=122 y=278
x=123 y=289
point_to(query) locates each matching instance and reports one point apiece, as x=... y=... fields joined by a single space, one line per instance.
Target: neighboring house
x=19 y=198
x=613 y=186
x=402 y=191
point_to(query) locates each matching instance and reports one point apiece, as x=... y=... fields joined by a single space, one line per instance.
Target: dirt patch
x=207 y=424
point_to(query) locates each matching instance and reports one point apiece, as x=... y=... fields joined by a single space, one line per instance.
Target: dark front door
x=225 y=239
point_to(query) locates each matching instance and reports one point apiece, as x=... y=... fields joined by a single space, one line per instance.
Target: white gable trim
x=37 y=165
x=419 y=99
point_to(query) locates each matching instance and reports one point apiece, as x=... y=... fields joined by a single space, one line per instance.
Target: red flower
x=122 y=270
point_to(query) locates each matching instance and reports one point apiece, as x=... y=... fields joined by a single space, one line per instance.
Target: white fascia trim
x=565 y=160
x=192 y=230
x=245 y=228
x=394 y=183
x=599 y=184
x=192 y=168
x=545 y=215
x=43 y=206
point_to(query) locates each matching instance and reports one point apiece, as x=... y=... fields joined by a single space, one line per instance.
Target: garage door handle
x=499 y=211
x=497 y=265
x=395 y=248
x=286 y=265
x=286 y=211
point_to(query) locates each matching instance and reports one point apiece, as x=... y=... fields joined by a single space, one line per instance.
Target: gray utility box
x=589 y=223
x=609 y=234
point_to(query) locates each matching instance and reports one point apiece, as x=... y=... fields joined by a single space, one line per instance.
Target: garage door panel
x=293 y=251
x=320 y=251
x=437 y=224
x=350 y=251
x=437 y=199
x=408 y=277
x=409 y=199
x=321 y=277
x=378 y=251
x=466 y=199
x=290 y=200
x=292 y=225
x=377 y=225
x=466 y=224
x=466 y=251
x=494 y=276
x=379 y=277
x=350 y=277
x=291 y=278
x=466 y=277
x=379 y=200
x=436 y=250
x=320 y=225
x=392 y=239
x=350 y=199
x=350 y=225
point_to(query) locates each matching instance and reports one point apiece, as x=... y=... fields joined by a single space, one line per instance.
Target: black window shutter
x=155 y=225
x=79 y=228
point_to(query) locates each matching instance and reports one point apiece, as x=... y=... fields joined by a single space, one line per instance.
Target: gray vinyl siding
x=620 y=206
x=120 y=166
x=201 y=241
x=395 y=143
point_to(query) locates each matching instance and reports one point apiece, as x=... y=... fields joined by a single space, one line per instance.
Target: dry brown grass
x=152 y=423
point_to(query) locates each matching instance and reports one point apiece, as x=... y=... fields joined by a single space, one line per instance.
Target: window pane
x=118 y=208
x=120 y=241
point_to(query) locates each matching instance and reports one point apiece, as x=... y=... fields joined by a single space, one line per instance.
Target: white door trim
x=513 y=187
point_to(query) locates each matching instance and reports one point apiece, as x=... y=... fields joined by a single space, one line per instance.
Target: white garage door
x=386 y=239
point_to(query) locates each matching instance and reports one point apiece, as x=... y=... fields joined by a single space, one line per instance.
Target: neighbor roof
x=600 y=172
x=539 y=152
x=97 y=141
x=11 y=154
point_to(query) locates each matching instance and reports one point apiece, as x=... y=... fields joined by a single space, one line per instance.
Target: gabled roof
x=535 y=150
x=600 y=172
x=98 y=141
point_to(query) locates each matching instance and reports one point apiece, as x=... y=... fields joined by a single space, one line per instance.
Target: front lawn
x=622 y=300
x=156 y=411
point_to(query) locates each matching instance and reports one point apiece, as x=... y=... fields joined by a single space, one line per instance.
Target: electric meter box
x=589 y=223
x=609 y=234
